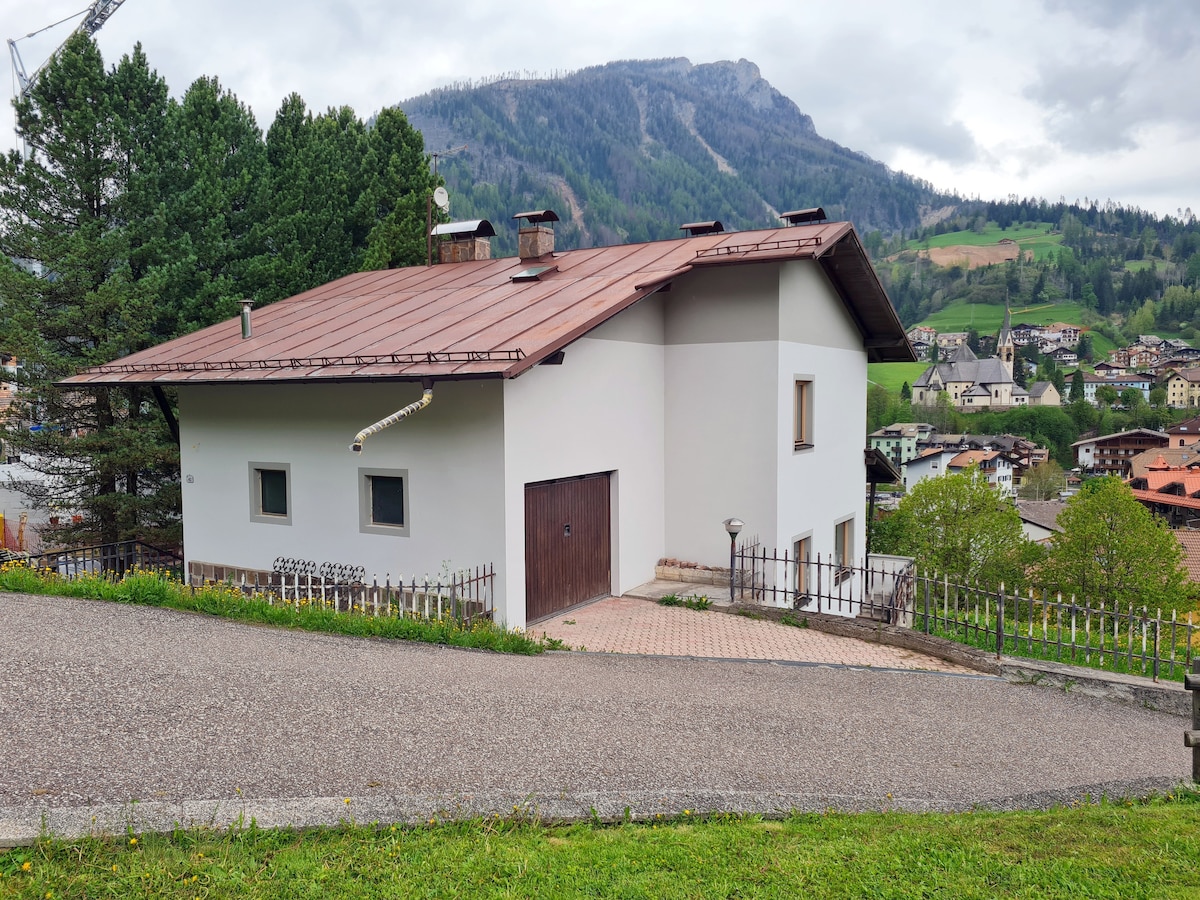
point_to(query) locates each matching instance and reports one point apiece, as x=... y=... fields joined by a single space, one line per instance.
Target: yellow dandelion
x=133 y=842
x=26 y=866
x=346 y=801
x=114 y=867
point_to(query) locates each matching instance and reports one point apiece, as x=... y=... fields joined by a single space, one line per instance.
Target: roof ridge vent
x=535 y=237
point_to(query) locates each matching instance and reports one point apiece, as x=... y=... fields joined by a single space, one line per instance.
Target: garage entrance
x=568 y=554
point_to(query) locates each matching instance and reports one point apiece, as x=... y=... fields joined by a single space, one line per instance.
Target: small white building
x=590 y=412
x=993 y=465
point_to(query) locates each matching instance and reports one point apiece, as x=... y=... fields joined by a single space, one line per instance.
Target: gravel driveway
x=113 y=715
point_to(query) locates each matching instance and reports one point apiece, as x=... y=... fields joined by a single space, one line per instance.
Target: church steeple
x=1005 y=348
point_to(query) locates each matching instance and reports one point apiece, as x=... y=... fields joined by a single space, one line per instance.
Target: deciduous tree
x=1113 y=551
x=959 y=526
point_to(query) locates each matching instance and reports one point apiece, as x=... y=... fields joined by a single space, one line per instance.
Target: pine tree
x=73 y=298
x=397 y=187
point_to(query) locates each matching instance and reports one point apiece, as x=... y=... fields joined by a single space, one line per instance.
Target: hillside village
x=1160 y=463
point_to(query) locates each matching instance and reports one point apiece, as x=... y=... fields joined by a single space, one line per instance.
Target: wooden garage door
x=567 y=543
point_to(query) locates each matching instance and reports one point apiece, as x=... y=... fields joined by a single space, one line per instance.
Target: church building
x=971 y=383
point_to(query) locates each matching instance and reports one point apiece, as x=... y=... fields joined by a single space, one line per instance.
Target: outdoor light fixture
x=734 y=527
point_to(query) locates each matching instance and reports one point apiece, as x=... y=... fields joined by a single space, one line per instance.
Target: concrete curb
x=1164 y=696
x=22 y=826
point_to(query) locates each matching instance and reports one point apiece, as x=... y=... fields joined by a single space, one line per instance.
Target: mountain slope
x=631 y=150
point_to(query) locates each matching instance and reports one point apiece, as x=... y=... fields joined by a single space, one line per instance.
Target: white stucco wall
x=452 y=451
x=824 y=485
x=600 y=411
x=731 y=368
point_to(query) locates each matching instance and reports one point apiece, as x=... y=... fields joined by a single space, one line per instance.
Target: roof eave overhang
x=845 y=263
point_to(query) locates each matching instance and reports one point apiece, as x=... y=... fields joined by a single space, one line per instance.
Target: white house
x=584 y=413
x=933 y=463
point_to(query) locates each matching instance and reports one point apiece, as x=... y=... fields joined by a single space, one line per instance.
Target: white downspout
x=426 y=399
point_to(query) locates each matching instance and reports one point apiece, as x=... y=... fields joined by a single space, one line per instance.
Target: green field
x=986 y=318
x=893 y=375
x=1036 y=239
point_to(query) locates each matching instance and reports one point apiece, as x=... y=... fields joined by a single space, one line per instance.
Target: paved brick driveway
x=631 y=625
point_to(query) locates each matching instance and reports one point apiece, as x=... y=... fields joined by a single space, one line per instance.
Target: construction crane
x=93 y=17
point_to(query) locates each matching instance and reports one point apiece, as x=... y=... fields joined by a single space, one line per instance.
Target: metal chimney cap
x=537 y=216
x=462 y=230
x=804 y=216
x=694 y=229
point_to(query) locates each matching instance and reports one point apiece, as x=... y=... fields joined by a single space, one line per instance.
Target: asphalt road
x=117 y=715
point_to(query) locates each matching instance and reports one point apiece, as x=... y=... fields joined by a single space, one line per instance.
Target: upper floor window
x=803 y=414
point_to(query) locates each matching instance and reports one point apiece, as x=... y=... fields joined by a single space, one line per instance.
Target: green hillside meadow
x=1036 y=238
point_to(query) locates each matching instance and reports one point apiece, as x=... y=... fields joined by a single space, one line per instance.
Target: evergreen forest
x=135 y=217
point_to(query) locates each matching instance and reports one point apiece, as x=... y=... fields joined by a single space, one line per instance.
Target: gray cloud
x=1045 y=96
x=1088 y=108
x=881 y=97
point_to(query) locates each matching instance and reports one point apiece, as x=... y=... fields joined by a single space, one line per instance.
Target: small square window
x=383 y=501
x=803 y=415
x=387 y=500
x=270 y=493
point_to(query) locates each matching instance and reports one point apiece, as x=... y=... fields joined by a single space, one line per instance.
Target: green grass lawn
x=1127 y=850
x=893 y=375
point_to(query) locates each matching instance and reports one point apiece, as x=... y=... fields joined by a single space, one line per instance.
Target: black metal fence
x=106 y=559
x=1039 y=625
x=879 y=588
x=1045 y=625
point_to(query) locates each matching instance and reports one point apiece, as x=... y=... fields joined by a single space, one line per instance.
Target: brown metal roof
x=471 y=320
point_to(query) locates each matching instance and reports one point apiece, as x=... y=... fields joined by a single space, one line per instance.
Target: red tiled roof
x=1167 y=499
x=470 y=319
x=1190 y=541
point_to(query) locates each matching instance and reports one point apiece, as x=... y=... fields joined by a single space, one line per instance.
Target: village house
x=1183 y=388
x=933 y=463
x=900 y=440
x=568 y=416
x=1091 y=383
x=1112 y=454
x=1185 y=433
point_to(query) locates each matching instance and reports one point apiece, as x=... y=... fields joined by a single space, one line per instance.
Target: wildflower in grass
x=133 y=842
x=26 y=866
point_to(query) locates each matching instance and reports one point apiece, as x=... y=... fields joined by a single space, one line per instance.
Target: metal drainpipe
x=426 y=399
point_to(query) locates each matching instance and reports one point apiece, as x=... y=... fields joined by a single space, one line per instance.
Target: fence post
x=927 y=603
x=1000 y=622
x=1192 y=738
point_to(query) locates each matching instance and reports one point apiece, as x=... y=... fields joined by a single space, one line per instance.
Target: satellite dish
x=441 y=199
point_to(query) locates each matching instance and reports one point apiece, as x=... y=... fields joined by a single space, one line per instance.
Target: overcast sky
x=1077 y=98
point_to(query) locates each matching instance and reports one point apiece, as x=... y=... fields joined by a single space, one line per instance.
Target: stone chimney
x=535 y=239
x=467 y=240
